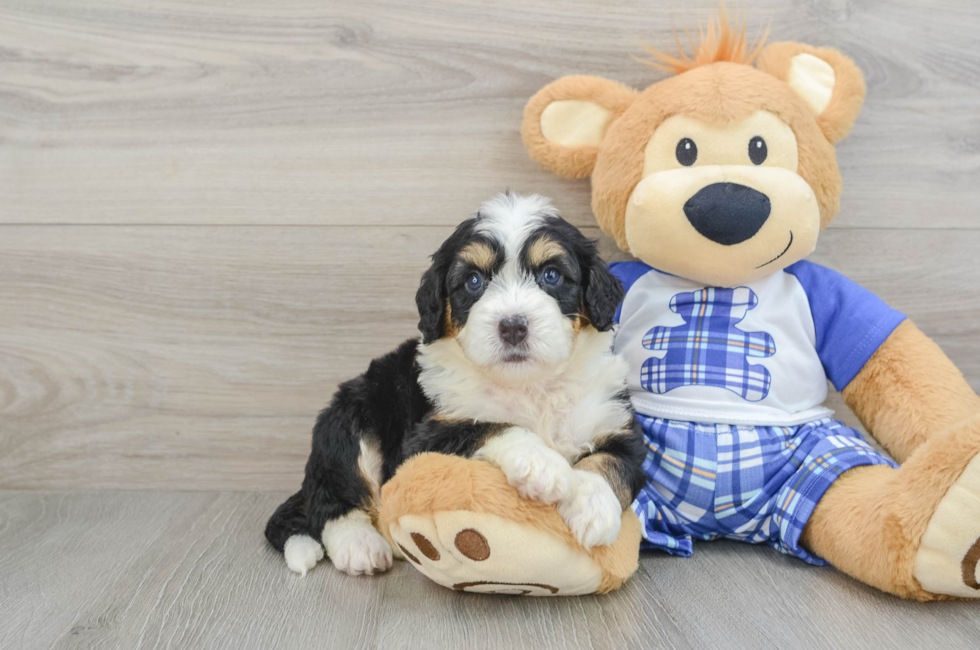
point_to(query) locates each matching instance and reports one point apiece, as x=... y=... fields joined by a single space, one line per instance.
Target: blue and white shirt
x=758 y=354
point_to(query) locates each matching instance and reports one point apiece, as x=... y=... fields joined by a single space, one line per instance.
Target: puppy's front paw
x=591 y=510
x=360 y=551
x=538 y=473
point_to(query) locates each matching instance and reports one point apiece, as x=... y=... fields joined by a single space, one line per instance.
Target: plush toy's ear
x=828 y=82
x=566 y=120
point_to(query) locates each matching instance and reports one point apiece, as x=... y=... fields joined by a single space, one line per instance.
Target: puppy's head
x=514 y=285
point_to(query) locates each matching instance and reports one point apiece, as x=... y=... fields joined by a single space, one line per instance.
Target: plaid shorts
x=754 y=484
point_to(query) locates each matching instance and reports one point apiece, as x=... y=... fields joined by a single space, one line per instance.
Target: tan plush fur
x=909 y=395
x=716 y=93
x=574 y=162
x=845 y=103
x=915 y=402
x=870 y=522
x=909 y=391
x=432 y=482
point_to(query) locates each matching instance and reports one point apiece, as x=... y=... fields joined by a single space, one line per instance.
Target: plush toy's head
x=723 y=173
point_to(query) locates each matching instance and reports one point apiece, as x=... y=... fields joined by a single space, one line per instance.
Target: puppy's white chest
x=568 y=411
x=547 y=411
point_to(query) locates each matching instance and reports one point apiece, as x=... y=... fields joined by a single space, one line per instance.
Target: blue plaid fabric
x=754 y=484
x=708 y=350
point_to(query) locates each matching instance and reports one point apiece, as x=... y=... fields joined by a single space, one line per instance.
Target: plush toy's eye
x=687 y=152
x=551 y=277
x=758 y=150
x=474 y=283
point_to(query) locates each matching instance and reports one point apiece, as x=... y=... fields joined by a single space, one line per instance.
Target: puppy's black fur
x=593 y=287
x=387 y=407
x=385 y=403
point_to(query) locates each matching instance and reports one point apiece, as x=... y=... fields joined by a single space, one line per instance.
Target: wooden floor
x=213 y=212
x=188 y=570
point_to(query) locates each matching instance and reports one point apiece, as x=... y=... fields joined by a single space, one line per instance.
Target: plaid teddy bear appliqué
x=708 y=350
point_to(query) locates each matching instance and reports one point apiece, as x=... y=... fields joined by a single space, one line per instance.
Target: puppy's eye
x=687 y=152
x=551 y=277
x=758 y=151
x=475 y=282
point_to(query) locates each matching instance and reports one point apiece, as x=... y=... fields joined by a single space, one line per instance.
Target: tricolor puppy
x=514 y=367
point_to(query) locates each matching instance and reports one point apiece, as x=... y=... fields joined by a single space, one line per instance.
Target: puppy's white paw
x=302 y=552
x=538 y=473
x=591 y=510
x=359 y=551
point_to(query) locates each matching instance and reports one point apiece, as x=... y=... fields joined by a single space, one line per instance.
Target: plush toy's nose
x=727 y=213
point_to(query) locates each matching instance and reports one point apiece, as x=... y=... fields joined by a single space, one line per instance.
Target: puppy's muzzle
x=513 y=329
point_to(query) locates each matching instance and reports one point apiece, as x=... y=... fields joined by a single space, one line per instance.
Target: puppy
x=514 y=367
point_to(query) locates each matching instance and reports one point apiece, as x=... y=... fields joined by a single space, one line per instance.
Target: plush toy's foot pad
x=481 y=552
x=461 y=524
x=947 y=559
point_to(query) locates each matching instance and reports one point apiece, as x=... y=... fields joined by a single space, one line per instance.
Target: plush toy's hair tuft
x=724 y=40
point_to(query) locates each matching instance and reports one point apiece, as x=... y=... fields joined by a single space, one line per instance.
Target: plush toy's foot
x=914 y=531
x=947 y=559
x=505 y=558
x=463 y=526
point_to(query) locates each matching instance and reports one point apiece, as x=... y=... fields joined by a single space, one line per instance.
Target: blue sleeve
x=851 y=323
x=627 y=273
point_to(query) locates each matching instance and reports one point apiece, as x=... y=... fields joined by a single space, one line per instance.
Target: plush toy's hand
x=591 y=510
x=538 y=472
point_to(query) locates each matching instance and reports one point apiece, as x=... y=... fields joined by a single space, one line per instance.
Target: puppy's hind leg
x=347 y=531
x=288 y=532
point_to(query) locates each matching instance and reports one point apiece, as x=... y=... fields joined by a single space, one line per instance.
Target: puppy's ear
x=603 y=293
x=565 y=122
x=431 y=301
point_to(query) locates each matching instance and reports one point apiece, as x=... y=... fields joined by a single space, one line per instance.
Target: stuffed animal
x=461 y=524
x=719 y=180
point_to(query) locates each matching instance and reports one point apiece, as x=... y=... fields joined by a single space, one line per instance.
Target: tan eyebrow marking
x=478 y=254
x=543 y=250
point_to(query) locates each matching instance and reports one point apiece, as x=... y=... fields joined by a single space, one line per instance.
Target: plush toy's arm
x=908 y=391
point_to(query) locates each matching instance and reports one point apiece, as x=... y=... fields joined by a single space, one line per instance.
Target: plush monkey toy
x=719 y=180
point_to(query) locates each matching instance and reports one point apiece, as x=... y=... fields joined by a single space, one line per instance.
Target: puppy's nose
x=727 y=213
x=513 y=329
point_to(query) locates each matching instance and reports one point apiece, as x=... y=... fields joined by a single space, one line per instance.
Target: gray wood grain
x=192 y=351
x=140 y=570
x=211 y=213
x=387 y=112
x=197 y=357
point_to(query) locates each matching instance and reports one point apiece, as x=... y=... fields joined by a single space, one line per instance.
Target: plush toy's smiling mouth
x=781 y=254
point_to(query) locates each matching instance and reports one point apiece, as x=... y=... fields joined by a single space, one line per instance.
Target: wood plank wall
x=212 y=213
